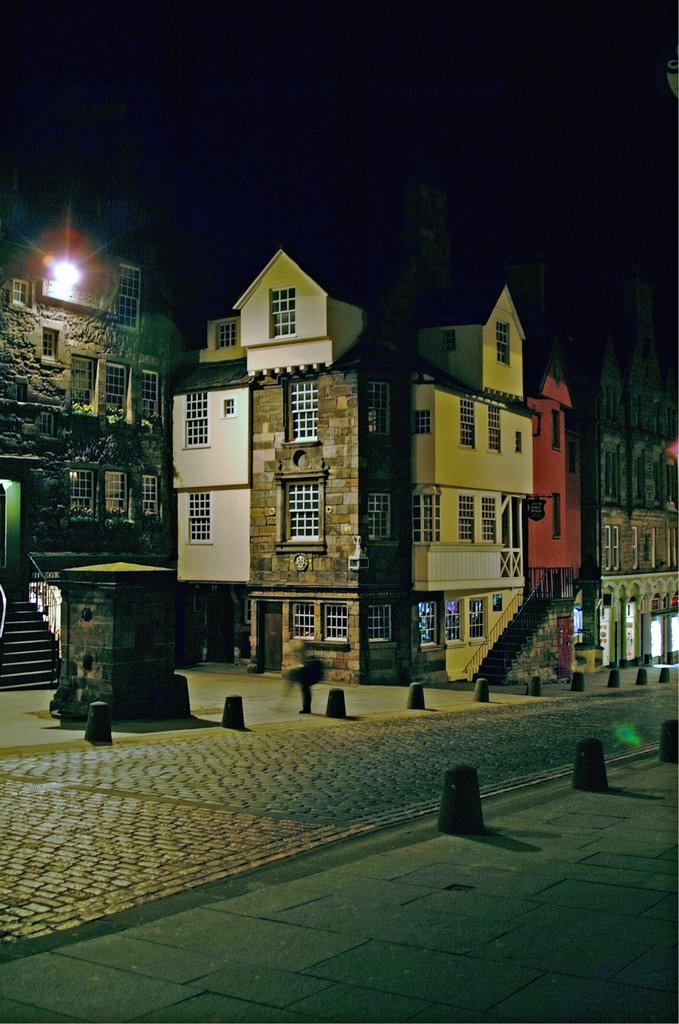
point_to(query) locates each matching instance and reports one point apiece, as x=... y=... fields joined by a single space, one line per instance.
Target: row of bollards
x=460 y=810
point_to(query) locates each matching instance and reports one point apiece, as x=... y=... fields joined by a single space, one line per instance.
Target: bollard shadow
x=141 y=727
x=491 y=838
x=632 y=794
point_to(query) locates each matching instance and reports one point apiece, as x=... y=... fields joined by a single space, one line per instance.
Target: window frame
x=199 y=517
x=379 y=407
x=335 y=619
x=502 y=335
x=453 y=621
x=226 y=334
x=283 y=312
x=379 y=514
x=150 y=503
x=468 y=503
x=80 y=497
x=25 y=289
x=477 y=618
x=449 y=339
x=303 y=620
x=116 y=492
x=556 y=430
x=422 y=424
x=129 y=297
x=52 y=334
x=494 y=429
x=467 y=423
x=556 y=515
x=426 y=623
x=426 y=517
x=78 y=364
x=295 y=516
x=379 y=623
x=196 y=420
x=112 y=370
x=488 y=505
x=150 y=405
x=302 y=398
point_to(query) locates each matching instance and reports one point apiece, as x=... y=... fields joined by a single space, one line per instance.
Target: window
x=497 y=602
x=656 y=416
x=465 y=520
x=518 y=441
x=467 y=433
x=657 y=479
x=572 y=457
x=196 y=419
x=304 y=511
x=671 y=481
x=379 y=516
x=422 y=421
x=82 y=489
x=21 y=391
x=227 y=334
x=556 y=515
x=493 y=428
x=150 y=394
x=652 y=551
x=426 y=518
x=47 y=423
x=116 y=388
x=639 y=477
x=556 y=429
x=115 y=492
x=488 y=519
x=426 y=616
x=476 y=618
x=379 y=622
x=452 y=623
x=335 y=621
x=611 y=474
x=149 y=495
x=200 y=525
x=228 y=408
x=303 y=620
x=635 y=547
x=449 y=339
x=611 y=547
x=20 y=292
x=304 y=410
x=50 y=340
x=82 y=380
x=282 y=312
x=378 y=407
x=502 y=341
x=129 y=291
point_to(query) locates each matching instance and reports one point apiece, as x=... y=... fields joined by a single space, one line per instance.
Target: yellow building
x=471 y=470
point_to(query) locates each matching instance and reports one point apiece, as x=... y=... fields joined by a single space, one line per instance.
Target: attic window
x=226 y=334
x=449 y=339
x=282 y=312
x=502 y=341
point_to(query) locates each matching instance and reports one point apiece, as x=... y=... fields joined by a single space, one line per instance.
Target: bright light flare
x=67 y=274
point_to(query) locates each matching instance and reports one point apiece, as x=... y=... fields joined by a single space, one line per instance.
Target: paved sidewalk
x=564 y=911
x=269 y=702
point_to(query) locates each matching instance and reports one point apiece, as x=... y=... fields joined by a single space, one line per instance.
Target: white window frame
x=426 y=621
x=379 y=622
x=635 y=547
x=453 y=621
x=199 y=517
x=21 y=292
x=477 y=618
x=379 y=395
x=83 y=371
x=426 y=518
x=227 y=334
x=81 y=489
x=115 y=491
x=335 y=622
x=494 y=429
x=49 y=344
x=467 y=423
x=129 y=295
x=379 y=516
x=502 y=341
x=303 y=397
x=466 y=518
x=304 y=620
x=196 y=419
x=47 y=423
x=488 y=519
x=283 y=312
x=150 y=505
x=115 y=387
x=423 y=421
x=229 y=408
x=304 y=511
x=150 y=393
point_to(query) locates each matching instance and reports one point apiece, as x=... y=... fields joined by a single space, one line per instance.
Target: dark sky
x=240 y=127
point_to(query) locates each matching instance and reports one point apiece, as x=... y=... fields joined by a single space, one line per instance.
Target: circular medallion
x=301 y=563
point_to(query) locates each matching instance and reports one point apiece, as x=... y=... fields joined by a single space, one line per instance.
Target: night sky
x=229 y=129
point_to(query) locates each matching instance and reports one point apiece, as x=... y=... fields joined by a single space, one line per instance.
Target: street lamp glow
x=66 y=273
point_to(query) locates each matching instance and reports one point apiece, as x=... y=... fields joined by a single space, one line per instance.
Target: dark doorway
x=271 y=636
x=563 y=655
x=219 y=625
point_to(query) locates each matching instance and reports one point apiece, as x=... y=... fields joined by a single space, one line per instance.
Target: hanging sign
x=535 y=508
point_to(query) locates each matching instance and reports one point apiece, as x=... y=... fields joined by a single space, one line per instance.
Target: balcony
x=465 y=566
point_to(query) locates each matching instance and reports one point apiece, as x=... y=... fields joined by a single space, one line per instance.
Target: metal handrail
x=497 y=629
x=47 y=598
x=3 y=610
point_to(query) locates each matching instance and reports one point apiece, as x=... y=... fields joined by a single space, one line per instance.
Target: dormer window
x=502 y=341
x=282 y=312
x=227 y=334
x=449 y=339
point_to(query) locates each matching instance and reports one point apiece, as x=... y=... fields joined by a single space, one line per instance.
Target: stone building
x=87 y=349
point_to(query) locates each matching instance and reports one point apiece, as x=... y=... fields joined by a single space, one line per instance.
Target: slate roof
x=208 y=376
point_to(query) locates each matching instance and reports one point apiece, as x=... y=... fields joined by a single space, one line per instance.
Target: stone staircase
x=511 y=644
x=29 y=651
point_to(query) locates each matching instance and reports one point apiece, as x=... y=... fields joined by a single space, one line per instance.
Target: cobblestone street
x=87 y=832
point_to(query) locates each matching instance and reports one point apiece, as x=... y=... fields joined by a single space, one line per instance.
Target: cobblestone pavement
x=85 y=833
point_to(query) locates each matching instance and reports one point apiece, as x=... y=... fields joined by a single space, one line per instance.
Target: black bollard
x=614 y=679
x=98 y=728
x=481 y=691
x=534 y=687
x=664 y=675
x=460 y=811
x=589 y=769
x=642 y=677
x=578 y=682
x=667 y=751
x=335 y=707
x=233 y=713
x=415 y=697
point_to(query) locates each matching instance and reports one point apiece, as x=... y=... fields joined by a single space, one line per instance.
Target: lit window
x=150 y=394
x=115 y=492
x=149 y=495
x=476 y=617
x=304 y=410
x=82 y=380
x=335 y=621
x=426 y=518
x=502 y=341
x=449 y=339
x=467 y=432
x=378 y=407
x=303 y=620
x=422 y=421
x=196 y=419
x=426 y=617
x=379 y=516
x=283 y=312
x=229 y=408
x=494 y=428
x=379 y=622
x=20 y=292
x=227 y=334
x=116 y=388
x=129 y=291
x=304 y=511
x=452 y=624
x=488 y=519
x=50 y=339
x=200 y=524
x=465 y=523
x=82 y=489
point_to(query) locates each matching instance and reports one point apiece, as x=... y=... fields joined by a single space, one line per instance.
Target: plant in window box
x=116 y=518
x=150 y=423
x=79 y=517
x=82 y=409
x=115 y=415
x=152 y=521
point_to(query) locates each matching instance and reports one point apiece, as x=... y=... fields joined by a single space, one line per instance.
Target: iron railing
x=47 y=599
x=494 y=634
x=3 y=611
x=549 y=583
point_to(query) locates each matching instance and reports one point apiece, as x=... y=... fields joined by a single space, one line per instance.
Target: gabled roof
x=255 y=284
x=209 y=376
x=466 y=302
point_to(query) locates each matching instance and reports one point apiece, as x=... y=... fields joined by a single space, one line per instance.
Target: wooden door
x=272 y=636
